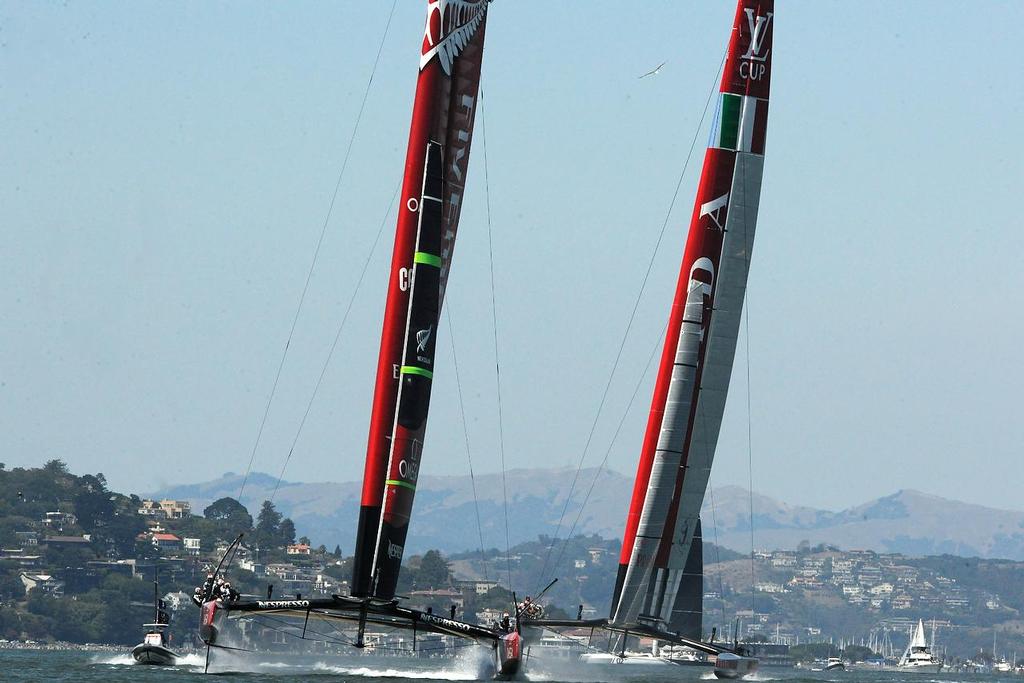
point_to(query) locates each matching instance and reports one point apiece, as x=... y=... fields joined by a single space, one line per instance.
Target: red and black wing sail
x=661 y=546
x=431 y=201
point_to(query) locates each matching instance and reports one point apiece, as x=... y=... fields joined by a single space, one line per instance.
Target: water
x=23 y=666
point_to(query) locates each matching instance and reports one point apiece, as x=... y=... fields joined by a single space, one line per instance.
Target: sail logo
x=715 y=210
x=281 y=604
x=462 y=120
x=444 y=623
x=395 y=551
x=752 y=64
x=450 y=26
x=423 y=338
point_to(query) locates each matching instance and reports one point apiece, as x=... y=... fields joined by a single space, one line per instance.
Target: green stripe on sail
x=413 y=370
x=427 y=259
x=730 y=121
x=398 y=482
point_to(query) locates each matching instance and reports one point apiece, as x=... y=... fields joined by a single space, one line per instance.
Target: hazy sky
x=165 y=170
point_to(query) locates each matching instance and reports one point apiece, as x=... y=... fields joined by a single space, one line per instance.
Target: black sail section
x=425 y=302
x=688 y=610
x=416 y=378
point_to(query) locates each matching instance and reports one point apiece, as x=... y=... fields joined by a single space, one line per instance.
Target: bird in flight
x=653 y=71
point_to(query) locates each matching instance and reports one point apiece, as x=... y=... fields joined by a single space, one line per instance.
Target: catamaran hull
x=207 y=627
x=731 y=667
x=510 y=648
x=153 y=654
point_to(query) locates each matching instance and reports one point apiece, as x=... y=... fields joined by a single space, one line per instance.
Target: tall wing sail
x=432 y=191
x=689 y=395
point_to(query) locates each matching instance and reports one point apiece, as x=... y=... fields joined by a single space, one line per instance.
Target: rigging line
x=334 y=344
x=600 y=469
x=636 y=305
x=316 y=252
x=465 y=433
x=289 y=626
x=494 y=329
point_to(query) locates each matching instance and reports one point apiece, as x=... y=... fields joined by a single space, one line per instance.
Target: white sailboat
x=918 y=655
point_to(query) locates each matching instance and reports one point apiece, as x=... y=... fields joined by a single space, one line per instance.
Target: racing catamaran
x=659 y=587
x=431 y=200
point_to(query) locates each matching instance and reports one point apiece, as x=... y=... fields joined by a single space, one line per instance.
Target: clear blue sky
x=166 y=169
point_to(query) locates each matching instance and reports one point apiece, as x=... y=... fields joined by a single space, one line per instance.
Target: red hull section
x=509 y=654
x=443 y=112
x=207 y=630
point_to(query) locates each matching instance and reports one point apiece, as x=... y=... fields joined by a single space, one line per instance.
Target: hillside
x=908 y=521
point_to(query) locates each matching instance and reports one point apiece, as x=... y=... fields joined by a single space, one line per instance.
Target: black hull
x=154 y=655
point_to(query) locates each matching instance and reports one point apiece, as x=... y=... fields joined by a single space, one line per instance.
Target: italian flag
x=742 y=124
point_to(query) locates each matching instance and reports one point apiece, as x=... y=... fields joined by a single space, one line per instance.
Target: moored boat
x=918 y=656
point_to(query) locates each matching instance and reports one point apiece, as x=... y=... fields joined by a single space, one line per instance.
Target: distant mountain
x=907 y=522
x=445 y=516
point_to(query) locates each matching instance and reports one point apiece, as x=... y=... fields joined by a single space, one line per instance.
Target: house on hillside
x=178 y=600
x=298 y=549
x=166 y=542
x=67 y=541
x=21 y=557
x=169 y=509
x=42 y=582
x=475 y=586
x=251 y=565
x=58 y=520
x=902 y=601
x=27 y=538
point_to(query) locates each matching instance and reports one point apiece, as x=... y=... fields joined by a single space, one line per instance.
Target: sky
x=167 y=169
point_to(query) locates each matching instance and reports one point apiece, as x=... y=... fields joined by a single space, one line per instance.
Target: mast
x=156 y=594
x=662 y=526
x=431 y=200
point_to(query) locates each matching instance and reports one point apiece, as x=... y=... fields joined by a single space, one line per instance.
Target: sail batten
x=662 y=537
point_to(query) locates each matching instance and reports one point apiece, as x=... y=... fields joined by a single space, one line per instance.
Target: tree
x=231 y=516
x=11 y=587
x=434 y=571
x=56 y=467
x=268 y=526
x=92 y=500
x=857 y=653
x=286 y=532
x=337 y=551
x=120 y=533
